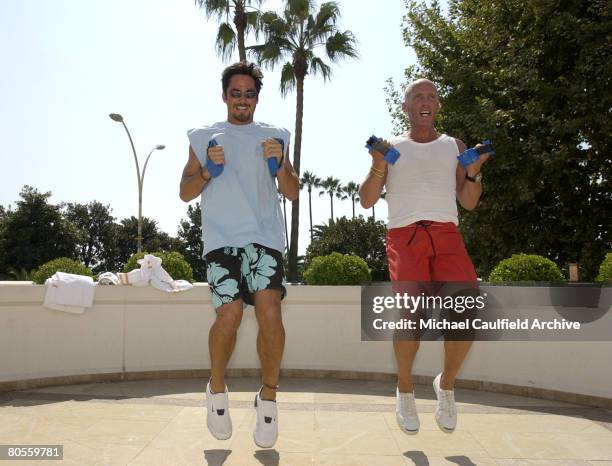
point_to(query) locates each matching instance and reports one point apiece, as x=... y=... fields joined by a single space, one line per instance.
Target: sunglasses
x=236 y=94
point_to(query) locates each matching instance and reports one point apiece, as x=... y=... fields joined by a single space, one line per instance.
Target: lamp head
x=116 y=117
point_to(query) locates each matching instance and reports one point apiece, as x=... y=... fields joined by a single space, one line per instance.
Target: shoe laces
x=406 y=402
x=446 y=401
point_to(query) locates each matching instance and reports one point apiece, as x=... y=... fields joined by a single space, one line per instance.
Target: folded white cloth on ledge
x=69 y=292
x=152 y=273
x=108 y=278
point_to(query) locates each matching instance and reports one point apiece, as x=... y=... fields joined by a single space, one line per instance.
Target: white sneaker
x=266 y=428
x=446 y=411
x=406 y=412
x=217 y=414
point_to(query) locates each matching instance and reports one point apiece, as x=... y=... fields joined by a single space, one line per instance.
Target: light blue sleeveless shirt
x=241 y=205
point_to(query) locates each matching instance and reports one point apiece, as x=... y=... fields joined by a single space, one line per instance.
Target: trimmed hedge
x=61 y=264
x=173 y=262
x=605 y=269
x=524 y=268
x=337 y=269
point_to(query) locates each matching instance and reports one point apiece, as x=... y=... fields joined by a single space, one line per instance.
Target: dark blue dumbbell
x=272 y=161
x=390 y=154
x=469 y=156
x=214 y=169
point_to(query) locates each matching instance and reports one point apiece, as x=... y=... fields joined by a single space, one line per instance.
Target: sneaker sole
x=445 y=429
x=216 y=435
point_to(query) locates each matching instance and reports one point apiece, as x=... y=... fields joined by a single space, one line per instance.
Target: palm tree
x=293 y=37
x=332 y=187
x=310 y=180
x=382 y=196
x=245 y=19
x=350 y=192
x=283 y=199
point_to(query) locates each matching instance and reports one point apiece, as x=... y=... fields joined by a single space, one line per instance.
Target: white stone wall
x=143 y=329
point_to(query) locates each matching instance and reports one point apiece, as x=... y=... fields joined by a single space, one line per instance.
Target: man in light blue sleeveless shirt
x=242 y=230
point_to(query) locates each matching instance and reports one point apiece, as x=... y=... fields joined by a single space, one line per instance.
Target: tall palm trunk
x=240 y=21
x=331 y=203
x=310 y=209
x=353 y=201
x=297 y=148
x=285 y=218
x=373 y=213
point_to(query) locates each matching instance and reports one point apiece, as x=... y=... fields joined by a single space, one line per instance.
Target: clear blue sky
x=67 y=64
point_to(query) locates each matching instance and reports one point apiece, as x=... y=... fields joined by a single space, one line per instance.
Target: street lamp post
x=118 y=118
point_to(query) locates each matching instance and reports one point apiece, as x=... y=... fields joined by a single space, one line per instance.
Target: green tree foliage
x=190 y=236
x=605 y=269
x=309 y=180
x=238 y=18
x=535 y=77
x=332 y=187
x=98 y=249
x=293 y=37
x=152 y=238
x=524 y=268
x=60 y=264
x=4 y=213
x=36 y=232
x=337 y=269
x=358 y=236
x=351 y=191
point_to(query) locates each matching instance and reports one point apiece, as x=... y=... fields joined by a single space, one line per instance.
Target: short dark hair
x=242 y=67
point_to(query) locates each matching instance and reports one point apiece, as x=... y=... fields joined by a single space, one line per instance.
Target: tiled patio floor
x=322 y=422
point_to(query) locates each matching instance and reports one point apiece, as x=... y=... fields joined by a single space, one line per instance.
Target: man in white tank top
x=423 y=243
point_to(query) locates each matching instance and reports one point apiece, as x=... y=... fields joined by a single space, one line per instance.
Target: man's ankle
x=217 y=386
x=405 y=387
x=267 y=394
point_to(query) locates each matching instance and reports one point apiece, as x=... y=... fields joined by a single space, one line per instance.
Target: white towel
x=108 y=278
x=152 y=273
x=69 y=292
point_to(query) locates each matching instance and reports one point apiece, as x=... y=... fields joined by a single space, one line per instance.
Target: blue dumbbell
x=214 y=169
x=390 y=154
x=272 y=162
x=469 y=156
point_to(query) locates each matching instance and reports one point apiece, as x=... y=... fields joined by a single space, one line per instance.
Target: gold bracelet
x=376 y=174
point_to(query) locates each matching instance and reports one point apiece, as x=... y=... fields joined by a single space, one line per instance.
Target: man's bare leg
x=405 y=352
x=270 y=338
x=454 y=355
x=222 y=340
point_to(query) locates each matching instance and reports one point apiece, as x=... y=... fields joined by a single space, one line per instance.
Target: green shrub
x=361 y=237
x=524 y=268
x=61 y=264
x=337 y=269
x=173 y=262
x=605 y=269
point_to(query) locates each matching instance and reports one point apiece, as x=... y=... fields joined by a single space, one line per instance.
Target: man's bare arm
x=468 y=192
x=372 y=186
x=288 y=181
x=194 y=178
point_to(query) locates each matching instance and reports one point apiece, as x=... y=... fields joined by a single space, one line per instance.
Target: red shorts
x=428 y=251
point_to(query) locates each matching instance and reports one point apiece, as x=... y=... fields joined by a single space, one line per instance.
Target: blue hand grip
x=272 y=161
x=214 y=169
x=471 y=155
x=390 y=154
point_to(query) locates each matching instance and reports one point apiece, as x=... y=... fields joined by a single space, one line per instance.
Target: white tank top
x=422 y=183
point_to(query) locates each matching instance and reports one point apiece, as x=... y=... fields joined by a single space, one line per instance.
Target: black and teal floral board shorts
x=237 y=273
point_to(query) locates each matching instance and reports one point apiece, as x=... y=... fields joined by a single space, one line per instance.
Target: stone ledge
x=495 y=387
